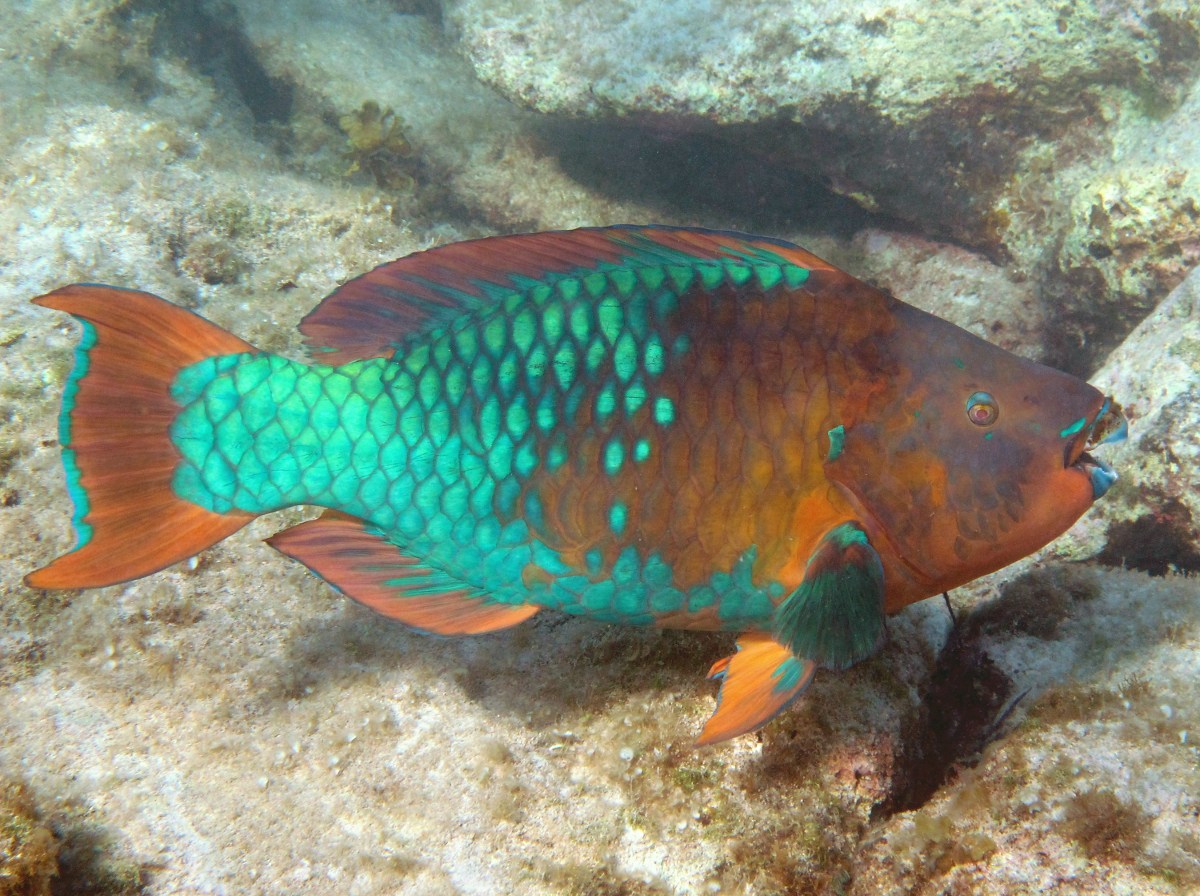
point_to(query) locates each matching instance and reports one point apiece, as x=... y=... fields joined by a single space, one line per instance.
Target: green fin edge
x=79 y=496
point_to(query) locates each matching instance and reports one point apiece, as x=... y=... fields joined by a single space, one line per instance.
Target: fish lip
x=1108 y=426
x=1101 y=475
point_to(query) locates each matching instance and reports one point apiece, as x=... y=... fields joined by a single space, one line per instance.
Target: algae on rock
x=28 y=849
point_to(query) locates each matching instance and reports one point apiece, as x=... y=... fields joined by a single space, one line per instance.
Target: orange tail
x=116 y=410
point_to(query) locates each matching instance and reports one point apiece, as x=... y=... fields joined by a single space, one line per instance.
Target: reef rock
x=1092 y=789
x=881 y=97
x=28 y=850
x=1129 y=229
x=1151 y=519
x=467 y=141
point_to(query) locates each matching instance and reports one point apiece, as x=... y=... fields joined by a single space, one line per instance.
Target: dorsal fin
x=370 y=315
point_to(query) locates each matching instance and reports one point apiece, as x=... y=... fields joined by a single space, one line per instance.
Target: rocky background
x=1026 y=169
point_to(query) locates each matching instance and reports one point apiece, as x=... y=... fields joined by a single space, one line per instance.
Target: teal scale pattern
x=436 y=448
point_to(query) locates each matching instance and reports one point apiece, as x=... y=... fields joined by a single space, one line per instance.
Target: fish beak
x=1102 y=476
x=1108 y=427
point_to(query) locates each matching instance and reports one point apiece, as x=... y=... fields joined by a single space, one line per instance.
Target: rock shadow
x=704 y=173
x=542 y=671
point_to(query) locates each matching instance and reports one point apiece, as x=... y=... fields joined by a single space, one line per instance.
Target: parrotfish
x=643 y=425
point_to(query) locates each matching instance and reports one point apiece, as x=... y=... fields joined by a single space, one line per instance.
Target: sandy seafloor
x=231 y=726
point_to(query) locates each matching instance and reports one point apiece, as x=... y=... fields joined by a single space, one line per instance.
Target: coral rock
x=1151 y=518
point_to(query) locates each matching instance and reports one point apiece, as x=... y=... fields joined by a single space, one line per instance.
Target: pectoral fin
x=835 y=617
x=757 y=683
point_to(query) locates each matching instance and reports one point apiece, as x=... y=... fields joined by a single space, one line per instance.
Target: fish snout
x=1108 y=427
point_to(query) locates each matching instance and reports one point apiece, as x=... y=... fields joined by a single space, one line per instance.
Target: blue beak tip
x=1119 y=434
x=1103 y=476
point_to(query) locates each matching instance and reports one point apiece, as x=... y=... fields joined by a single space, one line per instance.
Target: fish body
x=646 y=426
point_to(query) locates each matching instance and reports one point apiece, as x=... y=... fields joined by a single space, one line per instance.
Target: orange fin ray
x=114 y=431
x=757 y=683
x=363 y=565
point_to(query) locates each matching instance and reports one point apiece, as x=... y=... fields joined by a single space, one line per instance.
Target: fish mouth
x=1108 y=426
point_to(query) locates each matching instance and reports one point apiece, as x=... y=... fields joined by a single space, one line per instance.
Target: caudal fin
x=116 y=447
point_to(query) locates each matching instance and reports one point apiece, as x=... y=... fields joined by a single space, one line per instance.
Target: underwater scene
x=600 y=449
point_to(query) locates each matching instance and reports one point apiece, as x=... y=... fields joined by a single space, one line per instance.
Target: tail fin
x=116 y=410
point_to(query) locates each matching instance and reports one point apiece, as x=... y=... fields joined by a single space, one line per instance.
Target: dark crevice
x=965 y=704
x=969 y=698
x=1079 y=344
x=428 y=9
x=703 y=174
x=209 y=37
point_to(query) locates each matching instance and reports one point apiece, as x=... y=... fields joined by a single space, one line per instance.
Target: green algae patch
x=375 y=143
x=28 y=849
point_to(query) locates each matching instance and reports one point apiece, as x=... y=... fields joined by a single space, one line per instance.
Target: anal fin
x=363 y=565
x=757 y=683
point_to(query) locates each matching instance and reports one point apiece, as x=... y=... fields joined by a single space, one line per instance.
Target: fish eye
x=982 y=409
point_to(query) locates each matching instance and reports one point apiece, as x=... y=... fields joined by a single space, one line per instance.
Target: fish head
x=966 y=457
